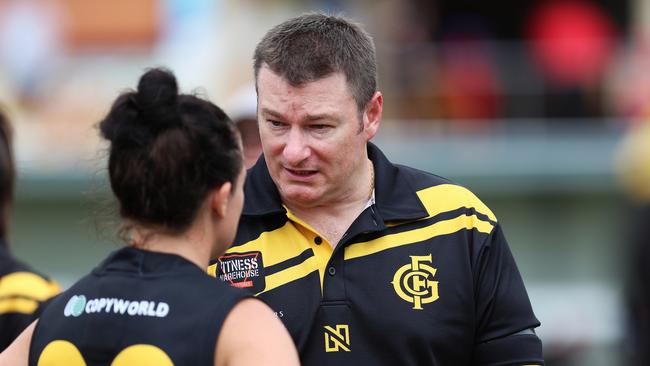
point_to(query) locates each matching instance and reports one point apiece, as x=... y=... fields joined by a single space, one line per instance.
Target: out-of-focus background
x=531 y=104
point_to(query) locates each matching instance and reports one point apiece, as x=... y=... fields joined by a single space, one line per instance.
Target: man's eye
x=320 y=127
x=275 y=123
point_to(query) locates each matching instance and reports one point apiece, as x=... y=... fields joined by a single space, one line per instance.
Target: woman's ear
x=221 y=198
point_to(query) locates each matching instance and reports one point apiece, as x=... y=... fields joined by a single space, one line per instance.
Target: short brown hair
x=314 y=45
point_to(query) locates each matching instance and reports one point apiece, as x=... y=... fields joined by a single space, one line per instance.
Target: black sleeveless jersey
x=136 y=308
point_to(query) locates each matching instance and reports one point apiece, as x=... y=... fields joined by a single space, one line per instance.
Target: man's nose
x=297 y=148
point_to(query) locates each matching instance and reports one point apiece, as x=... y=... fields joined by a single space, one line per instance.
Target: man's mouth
x=301 y=173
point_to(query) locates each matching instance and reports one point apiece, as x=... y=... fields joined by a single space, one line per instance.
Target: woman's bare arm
x=17 y=354
x=253 y=335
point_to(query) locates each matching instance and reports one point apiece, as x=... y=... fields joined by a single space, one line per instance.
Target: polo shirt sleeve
x=504 y=316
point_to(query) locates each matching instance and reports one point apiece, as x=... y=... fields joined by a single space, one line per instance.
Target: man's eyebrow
x=318 y=117
x=308 y=118
x=272 y=113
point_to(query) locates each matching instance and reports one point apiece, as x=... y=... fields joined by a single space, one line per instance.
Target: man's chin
x=301 y=197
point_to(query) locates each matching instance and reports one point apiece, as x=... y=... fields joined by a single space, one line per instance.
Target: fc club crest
x=243 y=270
x=414 y=282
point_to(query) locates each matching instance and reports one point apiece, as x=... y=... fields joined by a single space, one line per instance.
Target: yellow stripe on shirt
x=277 y=246
x=415 y=236
x=291 y=274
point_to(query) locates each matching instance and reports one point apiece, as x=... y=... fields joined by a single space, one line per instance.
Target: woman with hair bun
x=175 y=167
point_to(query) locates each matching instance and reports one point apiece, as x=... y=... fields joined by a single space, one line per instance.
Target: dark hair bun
x=156 y=100
x=136 y=118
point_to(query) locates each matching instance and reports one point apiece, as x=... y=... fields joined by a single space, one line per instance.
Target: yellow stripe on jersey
x=291 y=274
x=18 y=305
x=278 y=246
x=29 y=285
x=415 y=236
x=449 y=197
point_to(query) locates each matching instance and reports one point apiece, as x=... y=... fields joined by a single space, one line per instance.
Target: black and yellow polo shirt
x=423 y=277
x=22 y=292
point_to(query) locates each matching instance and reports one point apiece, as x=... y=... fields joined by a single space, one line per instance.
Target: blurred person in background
x=35 y=27
x=634 y=172
x=22 y=291
x=572 y=43
x=175 y=167
x=365 y=262
x=243 y=111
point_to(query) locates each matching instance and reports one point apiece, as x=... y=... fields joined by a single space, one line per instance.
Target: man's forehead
x=272 y=78
x=299 y=77
x=303 y=112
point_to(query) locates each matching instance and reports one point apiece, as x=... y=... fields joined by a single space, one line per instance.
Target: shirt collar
x=394 y=196
x=261 y=195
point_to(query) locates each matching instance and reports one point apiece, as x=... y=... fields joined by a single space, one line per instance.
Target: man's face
x=312 y=137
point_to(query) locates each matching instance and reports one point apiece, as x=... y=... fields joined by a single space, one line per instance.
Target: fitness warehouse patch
x=243 y=270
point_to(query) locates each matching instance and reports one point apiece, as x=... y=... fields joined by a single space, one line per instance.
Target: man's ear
x=221 y=198
x=372 y=115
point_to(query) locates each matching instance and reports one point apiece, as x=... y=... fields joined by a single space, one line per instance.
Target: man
x=21 y=290
x=365 y=262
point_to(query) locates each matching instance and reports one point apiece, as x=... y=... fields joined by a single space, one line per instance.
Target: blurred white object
x=242 y=108
x=579 y=314
x=30 y=42
x=242 y=103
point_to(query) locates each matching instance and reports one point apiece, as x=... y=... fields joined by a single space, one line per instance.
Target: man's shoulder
x=439 y=194
x=420 y=179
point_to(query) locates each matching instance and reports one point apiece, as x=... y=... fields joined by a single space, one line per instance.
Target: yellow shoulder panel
x=27 y=285
x=449 y=197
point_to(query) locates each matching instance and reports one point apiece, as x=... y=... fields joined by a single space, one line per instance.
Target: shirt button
x=331 y=271
x=318 y=240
